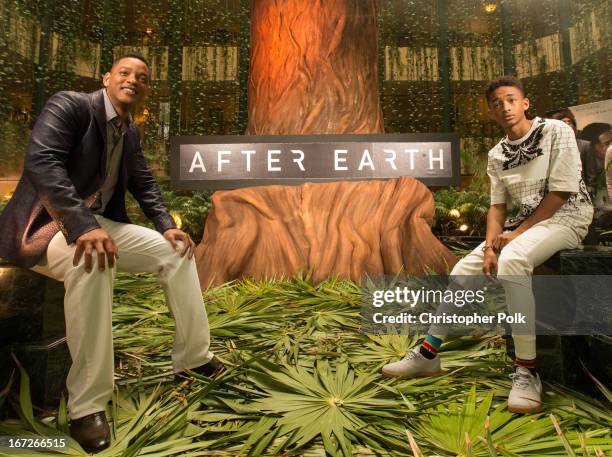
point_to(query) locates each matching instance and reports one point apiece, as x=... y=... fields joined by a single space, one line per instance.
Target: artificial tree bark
x=313 y=67
x=343 y=229
x=314 y=70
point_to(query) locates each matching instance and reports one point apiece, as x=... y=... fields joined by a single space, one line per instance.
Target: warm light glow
x=463 y=227
x=490 y=7
x=177 y=219
x=8 y=195
x=454 y=213
x=149 y=31
x=141 y=118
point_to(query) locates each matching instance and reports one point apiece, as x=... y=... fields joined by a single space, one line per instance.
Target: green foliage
x=321 y=403
x=476 y=166
x=12 y=147
x=471 y=205
x=304 y=381
x=190 y=207
x=83 y=37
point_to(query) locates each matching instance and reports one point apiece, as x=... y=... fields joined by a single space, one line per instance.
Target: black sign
x=228 y=162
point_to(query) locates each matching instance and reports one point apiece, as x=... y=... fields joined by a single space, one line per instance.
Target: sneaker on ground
x=414 y=365
x=526 y=393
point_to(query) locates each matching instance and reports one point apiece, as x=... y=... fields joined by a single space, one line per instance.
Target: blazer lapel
x=100 y=115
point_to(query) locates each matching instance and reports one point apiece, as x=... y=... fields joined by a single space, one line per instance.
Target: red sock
x=529 y=364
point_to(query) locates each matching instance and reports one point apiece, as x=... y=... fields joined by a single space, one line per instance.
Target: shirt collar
x=534 y=123
x=111 y=113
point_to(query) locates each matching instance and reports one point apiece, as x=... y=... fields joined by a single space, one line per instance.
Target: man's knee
x=512 y=262
x=95 y=270
x=161 y=248
x=466 y=266
x=173 y=254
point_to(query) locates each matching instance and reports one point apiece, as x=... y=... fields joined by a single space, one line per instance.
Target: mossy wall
x=435 y=57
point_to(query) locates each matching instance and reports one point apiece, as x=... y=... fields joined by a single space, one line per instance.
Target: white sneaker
x=526 y=394
x=414 y=365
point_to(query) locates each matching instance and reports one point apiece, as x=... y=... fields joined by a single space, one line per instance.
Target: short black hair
x=561 y=113
x=132 y=55
x=503 y=81
x=592 y=131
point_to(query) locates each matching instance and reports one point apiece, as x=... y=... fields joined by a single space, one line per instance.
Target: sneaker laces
x=521 y=379
x=412 y=354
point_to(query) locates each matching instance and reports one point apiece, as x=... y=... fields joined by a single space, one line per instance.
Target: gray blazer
x=64 y=168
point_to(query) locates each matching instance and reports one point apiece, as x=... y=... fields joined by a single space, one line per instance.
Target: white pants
x=88 y=308
x=516 y=263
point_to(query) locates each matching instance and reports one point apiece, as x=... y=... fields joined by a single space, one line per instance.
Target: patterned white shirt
x=545 y=159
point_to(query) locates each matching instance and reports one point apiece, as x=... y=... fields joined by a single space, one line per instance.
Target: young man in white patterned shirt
x=538 y=165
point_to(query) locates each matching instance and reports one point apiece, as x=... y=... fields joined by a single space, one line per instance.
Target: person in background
x=608 y=165
x=599 y=134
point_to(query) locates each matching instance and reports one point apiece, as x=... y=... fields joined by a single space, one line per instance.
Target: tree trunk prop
x=346 y=229
x=314 y=70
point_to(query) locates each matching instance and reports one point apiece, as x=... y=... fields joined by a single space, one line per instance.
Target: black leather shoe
x=91 y=432
x=212 y=369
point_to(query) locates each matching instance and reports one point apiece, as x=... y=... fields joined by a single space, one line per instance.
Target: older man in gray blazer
x=67 y=220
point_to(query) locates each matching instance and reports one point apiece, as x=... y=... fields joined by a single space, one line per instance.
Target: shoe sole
x=93 y=450
x=183 y=376
x=532 y=410
x=420 y=374
x=218 y=371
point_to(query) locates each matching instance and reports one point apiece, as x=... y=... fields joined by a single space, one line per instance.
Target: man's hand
x=174 y=235
x=489 y=264
x=102 y=243
x=503 y=239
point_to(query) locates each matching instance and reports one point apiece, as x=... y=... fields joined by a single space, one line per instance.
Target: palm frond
x=305 y=381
